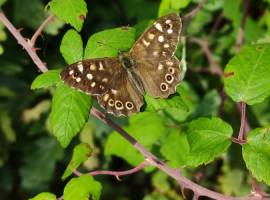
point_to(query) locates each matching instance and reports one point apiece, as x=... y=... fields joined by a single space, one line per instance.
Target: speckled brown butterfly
x=150 y=66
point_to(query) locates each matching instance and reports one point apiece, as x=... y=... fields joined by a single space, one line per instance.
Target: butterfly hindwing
x=153 y=53
x=123 y=98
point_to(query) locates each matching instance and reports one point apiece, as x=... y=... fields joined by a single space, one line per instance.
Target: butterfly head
x=126 y=60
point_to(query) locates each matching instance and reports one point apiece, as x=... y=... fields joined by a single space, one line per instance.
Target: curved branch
x=121 y=173
x=22 y=41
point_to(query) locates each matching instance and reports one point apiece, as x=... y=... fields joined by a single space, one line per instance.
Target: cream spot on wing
x=160 y=38
x=164 y=87
x=166 y=45
x=106 y=97
x=169 y=78
x=93 y=84
x=155 y=53
x=71 y=72
x=80 y=66
x=151 y=36
x=170 y=63
x=160 y=66
x=164 y=53
x=168 y=21
x=78 y=79
x=101 y=66
x=146 y=43
x=104 y=80
x=89 y=76
x=93 y=67
x=129 y=105
x=159 y=27
x=114 y=91
x=101 y=87
x=170 y=31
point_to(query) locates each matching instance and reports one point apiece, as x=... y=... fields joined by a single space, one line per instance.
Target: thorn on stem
x=118 y=178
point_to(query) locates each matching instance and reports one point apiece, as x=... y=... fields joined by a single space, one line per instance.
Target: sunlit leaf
x=70 y=111
x=248 y=74
x=46 y=79
x=82 y=188
x=71 y=11
x=256 y=153
x=80 y=154
x=208 y=138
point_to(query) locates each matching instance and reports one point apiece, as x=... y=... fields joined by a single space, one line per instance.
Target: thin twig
x=40 y=29
x=117 y=174
x=214 y=67
x=29 y=49
x=194 y=12
x=240 y=36
x=187 y=18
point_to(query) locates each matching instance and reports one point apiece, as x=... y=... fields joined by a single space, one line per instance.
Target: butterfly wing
x=154 y=56
x=91 y=76
x=123 y=98
x=107 y=79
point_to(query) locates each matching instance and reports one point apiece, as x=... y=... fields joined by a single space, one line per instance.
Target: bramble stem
x=22 y=41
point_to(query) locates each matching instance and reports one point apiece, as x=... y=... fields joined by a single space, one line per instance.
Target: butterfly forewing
x=153 y=53
x=91 y=76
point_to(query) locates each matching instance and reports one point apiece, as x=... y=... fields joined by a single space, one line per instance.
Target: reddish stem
x=23 y=42
x=121 y=173
x=241 y=135
x=40 y=29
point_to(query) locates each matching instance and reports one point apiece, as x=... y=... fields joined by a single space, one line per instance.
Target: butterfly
x=120 y=82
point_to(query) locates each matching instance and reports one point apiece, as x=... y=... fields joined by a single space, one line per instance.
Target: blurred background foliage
x=32 y=161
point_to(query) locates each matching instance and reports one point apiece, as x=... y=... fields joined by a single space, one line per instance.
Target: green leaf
x=70 y=111
x=179 y=4
x=249 y=80
x=71 y=11
x=211 y=131
x=80 y=154
x=46 y=79
x=108 y=43
x=2 y=2
x=175 y=101
x=82 y=188
x=44 y=196
x=72 y=47
x=256 y=153
x=145 y=127
x=175 y=148
x=165 y=7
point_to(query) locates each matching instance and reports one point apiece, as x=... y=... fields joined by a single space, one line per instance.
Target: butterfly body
x=120 y=83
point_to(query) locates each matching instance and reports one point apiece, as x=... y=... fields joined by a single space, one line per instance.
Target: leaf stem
x=240 y=36
x=241 y=135
x=22 y=41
